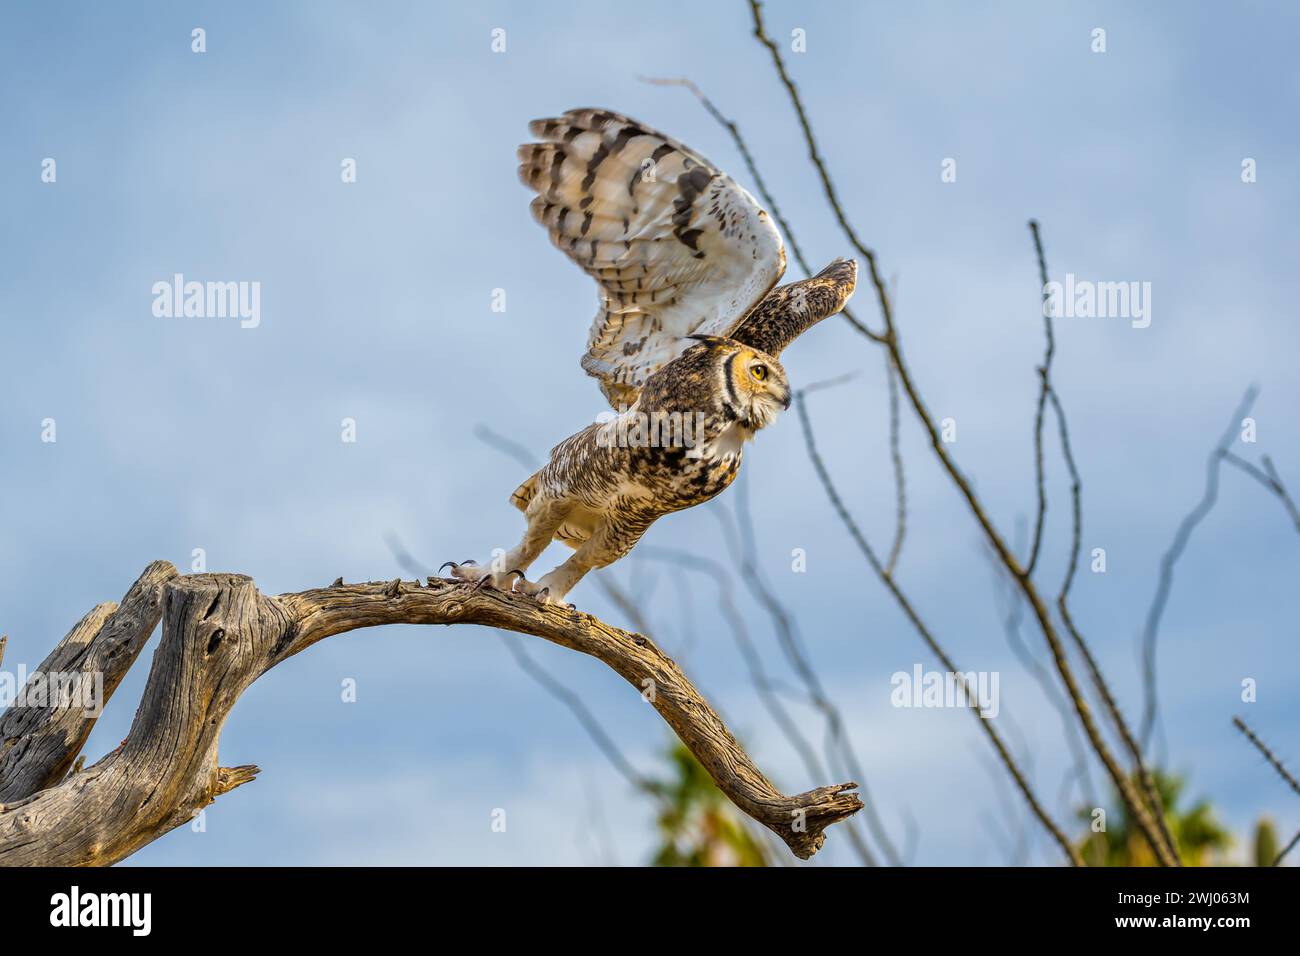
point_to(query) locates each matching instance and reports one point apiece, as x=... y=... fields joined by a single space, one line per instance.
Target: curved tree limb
x=220 y=634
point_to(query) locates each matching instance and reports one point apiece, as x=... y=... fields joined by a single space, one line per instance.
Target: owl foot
x=471 y=573
x=456 y=568
x=540 y=594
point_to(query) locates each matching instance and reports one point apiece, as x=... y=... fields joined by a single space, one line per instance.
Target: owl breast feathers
x=685 y=343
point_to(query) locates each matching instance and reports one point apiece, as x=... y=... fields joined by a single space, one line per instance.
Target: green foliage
x=1266 y=845
x=1200 y=838
x=697 y=824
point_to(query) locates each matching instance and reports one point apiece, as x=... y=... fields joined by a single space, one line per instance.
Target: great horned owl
x=684 y=345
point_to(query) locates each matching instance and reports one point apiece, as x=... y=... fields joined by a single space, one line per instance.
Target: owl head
x=750 y=384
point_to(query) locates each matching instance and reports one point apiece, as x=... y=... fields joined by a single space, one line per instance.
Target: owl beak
x=785 y=400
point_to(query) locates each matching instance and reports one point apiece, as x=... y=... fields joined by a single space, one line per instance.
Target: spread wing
x=675 y=246
x=790 y=310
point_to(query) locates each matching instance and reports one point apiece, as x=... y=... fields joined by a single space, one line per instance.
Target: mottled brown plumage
x=685 y=343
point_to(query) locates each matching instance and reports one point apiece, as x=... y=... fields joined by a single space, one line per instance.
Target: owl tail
x=524 y=493
x=789 y=310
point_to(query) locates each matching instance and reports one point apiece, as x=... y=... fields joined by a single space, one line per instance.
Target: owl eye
x=759 y=372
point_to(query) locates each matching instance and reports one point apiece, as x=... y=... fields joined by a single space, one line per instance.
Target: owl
x=685 y=344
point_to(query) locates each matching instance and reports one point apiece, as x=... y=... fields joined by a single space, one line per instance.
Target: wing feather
x=675 y=246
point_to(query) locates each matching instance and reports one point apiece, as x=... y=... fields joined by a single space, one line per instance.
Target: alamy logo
x=103 y=909
x=209 y=300
x=1084 y=299
x=637 y=429
x=60 y=690
x=946 y=689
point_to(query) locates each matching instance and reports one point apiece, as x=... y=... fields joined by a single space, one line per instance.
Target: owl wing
x=676 y=247
x=788 y=311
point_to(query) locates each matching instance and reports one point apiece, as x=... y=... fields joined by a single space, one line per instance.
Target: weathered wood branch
x=39 y=742
x=219 y=634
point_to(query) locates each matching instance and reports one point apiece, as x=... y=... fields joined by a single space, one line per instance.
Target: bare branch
x=763 y=683
x=1287 y=849
x=783 y=624
x=756 y=8
x=1150 y=791
x=1276 y=763
x=1269 y=478
x=220 y=634
x=507 y=446
x=548 y=682
x=1012 y=621
x=1045 y=378
x=1272 y=758
x=900 y=482
x=1123 y=785
x=768 y=199
x=1170 y=558
x=589 y=721
x=887 y=579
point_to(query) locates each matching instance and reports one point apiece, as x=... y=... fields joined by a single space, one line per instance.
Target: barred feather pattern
x=689 y=331
x=675 y=246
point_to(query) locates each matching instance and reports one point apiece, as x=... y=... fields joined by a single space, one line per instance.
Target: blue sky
x=176 y=434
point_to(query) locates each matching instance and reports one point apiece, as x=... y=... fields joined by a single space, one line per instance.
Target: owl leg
x=609 y=542
x=552 y=587
x=544 y=516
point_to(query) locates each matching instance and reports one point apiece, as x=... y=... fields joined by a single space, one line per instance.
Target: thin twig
x=1274 y=761
x=1011 y=625
x=589 y=721
x=788 y=638
x=586 y=719
x=756 y=8
x=1269 y=478
x=764 y=685
x=1287 y=849
x=1145 y=778
x=768 y=200
x=1045 y=380
x=1282 y=772
x=896 y=457
x=1123 y=785
x=1185 y=528
x=987 y=725
x=507 y=446
x=785 y=626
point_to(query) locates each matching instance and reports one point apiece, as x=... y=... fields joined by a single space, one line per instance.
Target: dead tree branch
x=40 y=741
x=220 y=634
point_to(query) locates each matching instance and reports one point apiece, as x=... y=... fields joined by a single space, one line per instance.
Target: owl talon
x=467 y=571
x=530 y=589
